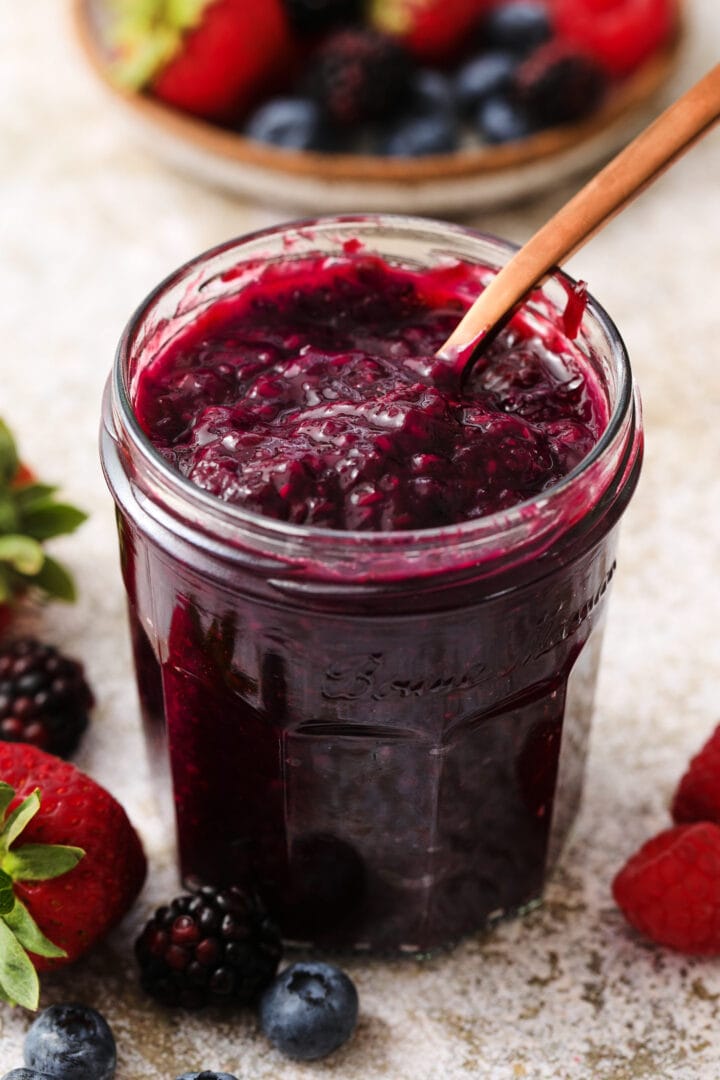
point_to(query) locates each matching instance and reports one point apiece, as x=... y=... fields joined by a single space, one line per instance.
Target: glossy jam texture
x=309 y=397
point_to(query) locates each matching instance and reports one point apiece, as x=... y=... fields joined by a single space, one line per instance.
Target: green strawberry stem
x=147 y=35
x=19 y=933
x=30 y=515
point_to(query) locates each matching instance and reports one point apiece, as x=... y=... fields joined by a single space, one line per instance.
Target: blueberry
x=310 y=1010
x=482 y=77
x=416 y=136
x=518 y=27
x=291 y=123
x=71 y=1042
x=501 y=120
x=431 y=92
x=26 y=1074
x=208 y=1074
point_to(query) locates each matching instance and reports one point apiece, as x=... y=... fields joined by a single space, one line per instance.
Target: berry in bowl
x=388 y=104
x=366 y=607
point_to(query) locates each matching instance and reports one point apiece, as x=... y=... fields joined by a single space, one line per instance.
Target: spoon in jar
x=628 y=174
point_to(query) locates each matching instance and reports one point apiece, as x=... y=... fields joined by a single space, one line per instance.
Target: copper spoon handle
x=609 y=192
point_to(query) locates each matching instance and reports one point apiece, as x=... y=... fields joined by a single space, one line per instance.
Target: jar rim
x=280 y=538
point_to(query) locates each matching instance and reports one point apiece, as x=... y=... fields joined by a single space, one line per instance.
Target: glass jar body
x=385 y=736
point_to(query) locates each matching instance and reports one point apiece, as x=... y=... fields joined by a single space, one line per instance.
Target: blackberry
x=208 y=947
x=360 y=75
x=317 y=16
x=44 y=698
x=558 y=85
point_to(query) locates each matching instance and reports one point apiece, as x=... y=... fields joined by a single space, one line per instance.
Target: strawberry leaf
x=22 y=553
x=47 y=518
x=17 y=821
x=28 y=495
x=41 y=862
x=7 y=794
x=55 y=580
x=9 y=461
x=7 y=896
x=29 y=934
x=8 y=515
x=18 y=978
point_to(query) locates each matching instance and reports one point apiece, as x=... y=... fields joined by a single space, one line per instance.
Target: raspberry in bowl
x=366 y=607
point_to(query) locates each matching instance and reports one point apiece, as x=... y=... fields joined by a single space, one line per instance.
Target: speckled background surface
x=88 y=223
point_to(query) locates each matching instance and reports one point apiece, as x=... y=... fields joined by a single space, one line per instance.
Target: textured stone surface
x=88 y=224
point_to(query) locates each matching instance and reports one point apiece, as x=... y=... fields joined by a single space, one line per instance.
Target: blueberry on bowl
x=293 y=123
x=482 y=77
x=500 y=119
x=519 y=27
x=428 y=124
x=310 y=1010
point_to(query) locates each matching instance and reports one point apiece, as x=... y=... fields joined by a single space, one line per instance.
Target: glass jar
x=384 y=734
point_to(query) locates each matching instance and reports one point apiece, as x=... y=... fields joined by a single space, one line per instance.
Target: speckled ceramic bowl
x=469 y=179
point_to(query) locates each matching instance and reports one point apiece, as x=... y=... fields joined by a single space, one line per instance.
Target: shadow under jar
x=383 y=733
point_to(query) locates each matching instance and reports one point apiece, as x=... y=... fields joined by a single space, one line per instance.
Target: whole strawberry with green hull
x=29 y=516
x=434 y=31
x=211 y=58
x=71 y=866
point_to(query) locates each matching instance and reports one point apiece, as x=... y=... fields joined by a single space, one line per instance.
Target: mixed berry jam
x=310 y=397
x=389 y=753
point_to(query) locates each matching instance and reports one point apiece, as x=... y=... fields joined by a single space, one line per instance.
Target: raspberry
x=360 y=75
x=670 y=889
x=620 y=34
x=698 y=795
x=44 y=698
x=208 y=947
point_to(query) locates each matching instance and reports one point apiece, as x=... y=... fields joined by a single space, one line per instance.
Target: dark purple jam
x=390 y=763
x=308 y=398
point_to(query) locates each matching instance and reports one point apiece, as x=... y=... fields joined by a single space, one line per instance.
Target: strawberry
x=29 y=515
x=73 y=876
x=670 y=889
x=211 y=58
x=698 y=795
x=434 y=31
x=620 y=34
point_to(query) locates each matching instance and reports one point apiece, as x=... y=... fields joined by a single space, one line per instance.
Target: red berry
x=670 y=889
x=620 y=34
x=698 y=794
x=78 y=908
x=211 y=58
x=434 y=31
